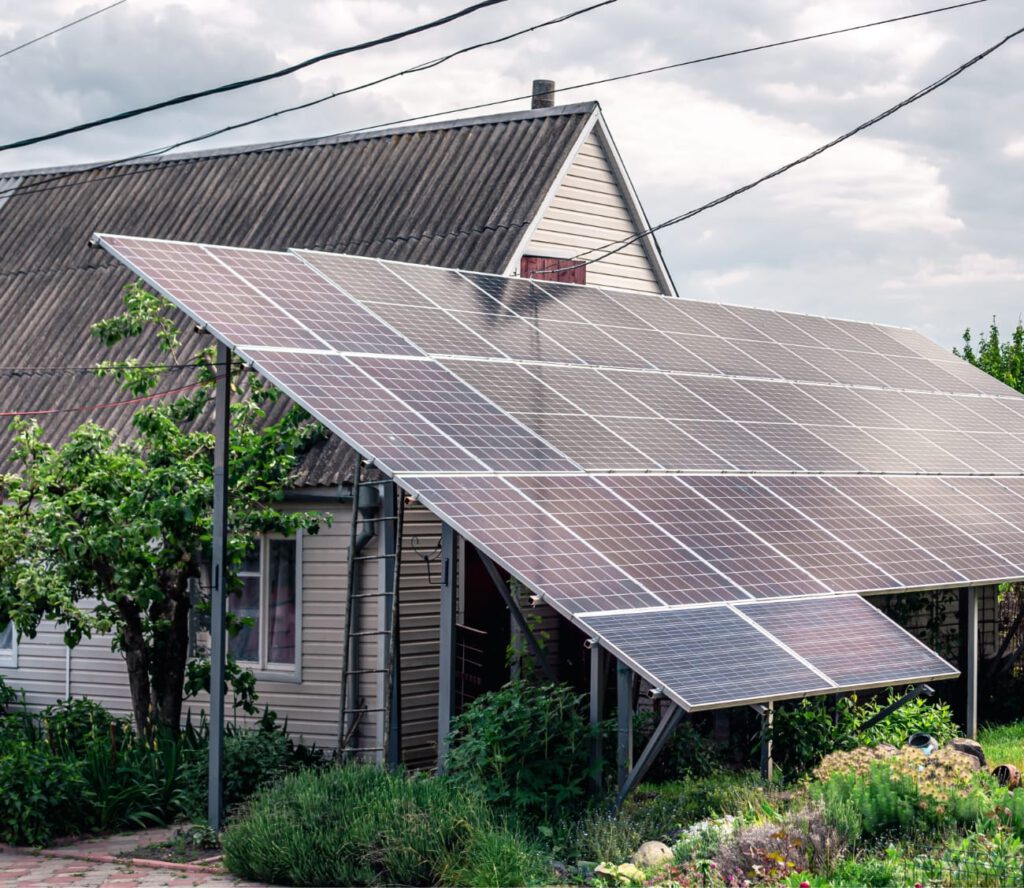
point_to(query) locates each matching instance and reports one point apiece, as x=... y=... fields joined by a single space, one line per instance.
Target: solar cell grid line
x=892 y=373
x=918 y=448
x=803 y=447
x=663 y=395
x=586 y=442
x=661 y=564
x=731 y=398
x=493 y=437
x=865 y=449
x=792 y=402
x=209 y=293
x=904 y=411
x=857 y=406
x=1014 y=484
x=973 y=379
x=966 y=513
x=715 y=536
x=659 y=350
x=365 y=278
x=775 y=325
x=446 y=288
x=874 y=338
x=721 y=321
x=994 y=494
x=660 y=312
x=363 y=414
x=511 y=387
x=733 y=443
x=589 y=390
x=591 y=344
x=918 y=343
x=849 y=640
x=960 y=550
x=784 y=362
x=435 y=331
x=1007 y=414
x=530 y=543
x=828 y=334
x=593 y=304
x=935 y=375
x=314 y=301
x=978 y=450
x=836 y=365
x=722 y=356
x=725 y=660
x=956 y=411
x=665 y=443
x=898 y=560
x=803 y=541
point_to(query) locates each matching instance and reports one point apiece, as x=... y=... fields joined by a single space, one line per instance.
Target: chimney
x=543 y=94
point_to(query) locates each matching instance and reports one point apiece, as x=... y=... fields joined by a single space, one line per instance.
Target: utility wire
x=240 y=84
x=620 y=245
x=422 y=66
x=60 y=370
x=82 y=408
x=14 y=49
x=41 y=186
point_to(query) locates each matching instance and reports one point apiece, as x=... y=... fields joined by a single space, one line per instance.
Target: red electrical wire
x=86 y=407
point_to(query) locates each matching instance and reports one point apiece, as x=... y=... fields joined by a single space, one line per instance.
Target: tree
x=1003 y=360
x=107 y=535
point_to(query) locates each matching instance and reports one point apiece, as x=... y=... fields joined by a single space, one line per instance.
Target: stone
x=971 y=748
x=652 y=854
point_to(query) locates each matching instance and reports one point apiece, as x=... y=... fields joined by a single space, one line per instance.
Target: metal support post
x=662 y=732
x=971 y=670
x=517 y=615
x=218 y=593
x=597 y=658
x=624 y=732
x=767 y=724
x=390 y=686
x=446 y=680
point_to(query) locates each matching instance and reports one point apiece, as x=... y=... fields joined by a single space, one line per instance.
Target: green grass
x=1003 y=744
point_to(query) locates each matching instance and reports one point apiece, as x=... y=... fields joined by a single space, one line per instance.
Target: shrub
x=360 y=825
x=525 y=747
x=69 y=726
x=919 y=714
x=687 y=753
x=41 y=794
x=804 y=732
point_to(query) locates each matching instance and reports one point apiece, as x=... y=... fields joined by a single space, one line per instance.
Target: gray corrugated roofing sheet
x=458 y=193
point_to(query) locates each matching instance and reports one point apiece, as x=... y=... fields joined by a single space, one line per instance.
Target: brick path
x=87 y=864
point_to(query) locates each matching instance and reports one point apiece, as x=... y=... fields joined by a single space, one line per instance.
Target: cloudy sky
x=915 y=223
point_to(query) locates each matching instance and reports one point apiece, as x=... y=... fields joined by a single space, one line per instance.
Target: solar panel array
x=643 y=462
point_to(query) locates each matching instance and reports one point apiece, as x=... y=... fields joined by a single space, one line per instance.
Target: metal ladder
x=353 y=708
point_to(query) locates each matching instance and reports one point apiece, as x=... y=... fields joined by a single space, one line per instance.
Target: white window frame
x=9 y=656
x=276 y=671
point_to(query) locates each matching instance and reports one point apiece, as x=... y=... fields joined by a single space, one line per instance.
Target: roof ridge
x=317 y=141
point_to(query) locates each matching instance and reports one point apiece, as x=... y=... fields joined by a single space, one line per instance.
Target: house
x=509 y=193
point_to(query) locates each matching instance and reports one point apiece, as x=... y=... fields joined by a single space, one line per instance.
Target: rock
x=972 y=748
x=652 y=854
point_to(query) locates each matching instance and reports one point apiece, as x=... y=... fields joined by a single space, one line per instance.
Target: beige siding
x=587 y=212
x=40 y=672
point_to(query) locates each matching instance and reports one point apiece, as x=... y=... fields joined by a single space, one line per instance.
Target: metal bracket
x=923 y=690
x=662 y=732
x=517 y=615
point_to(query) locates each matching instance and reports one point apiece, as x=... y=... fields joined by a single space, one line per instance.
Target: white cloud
x=1014 y=149
x=969 y=269
x=726 y=279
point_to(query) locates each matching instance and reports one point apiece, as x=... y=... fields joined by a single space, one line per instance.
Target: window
x=8 y=646
x=547 y=268
x=270 y=598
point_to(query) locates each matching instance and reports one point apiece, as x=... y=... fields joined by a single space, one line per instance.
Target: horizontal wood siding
x=40 y=672
x=587 y=212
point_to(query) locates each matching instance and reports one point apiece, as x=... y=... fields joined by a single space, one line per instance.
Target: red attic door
x=544 y=268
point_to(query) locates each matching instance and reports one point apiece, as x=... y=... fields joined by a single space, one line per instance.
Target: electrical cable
x=251 y=81
x=40 y=186
x=64 y=27
x=82 y=408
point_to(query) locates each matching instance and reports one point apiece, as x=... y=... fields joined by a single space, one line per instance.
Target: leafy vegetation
x=1003 y=359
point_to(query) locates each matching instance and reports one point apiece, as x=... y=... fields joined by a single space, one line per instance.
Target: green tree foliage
x=988 y=352
x=105 y=535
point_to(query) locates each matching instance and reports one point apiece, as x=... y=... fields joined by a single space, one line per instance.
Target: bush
x=525 y=747
x=919 y=714
x=69 y=726
x=687 y=753
x=39 y=794
x=360 y=825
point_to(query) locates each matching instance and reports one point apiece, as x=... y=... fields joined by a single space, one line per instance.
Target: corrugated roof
x=457 y=193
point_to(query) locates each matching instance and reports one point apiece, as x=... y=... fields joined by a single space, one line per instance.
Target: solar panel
x=918 y=448
x=586 y=441
x=448 y=289
x=801 y=540
x=776 y=326
x=793 y=403
x=731 y=398
x=368 y=280
x=646 y=552
x=526 y=540
x=825 y=332
x=593 y=305
x=660 y=350
x=663 y=395
x=720 y=320
x=665 y=443
x=589 y=391
x=436 y=331
x=874 y=338
x=836 y=365
x=852 y=642
x=803 y=447
x=511 y=387
x=722 y=355
x=783 y=362
x=733 y=443
x=667 y=315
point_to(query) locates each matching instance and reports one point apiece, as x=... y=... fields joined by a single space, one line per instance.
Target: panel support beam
x=767 y=713
x=597 y=685
x=517 y=615
x=218 y=593
x=624 y=727
x=391 y=685
x=923 y=690
x=446 y=664
x=654 y=746
x=971 y=670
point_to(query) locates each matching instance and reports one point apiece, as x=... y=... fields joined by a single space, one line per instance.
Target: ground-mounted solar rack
x=672 y=476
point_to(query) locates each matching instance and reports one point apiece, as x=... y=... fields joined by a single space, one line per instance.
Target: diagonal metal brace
x=922 y=690
x=654 y=746
x=517 y=615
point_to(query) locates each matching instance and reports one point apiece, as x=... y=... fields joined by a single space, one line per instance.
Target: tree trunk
x=137 y=660
x=170 y=656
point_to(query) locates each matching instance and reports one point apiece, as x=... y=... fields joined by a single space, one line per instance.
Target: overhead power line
x=63 y=27
x=45 y=184
x=251 y=81
x=620 y=245
x=83 y=408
